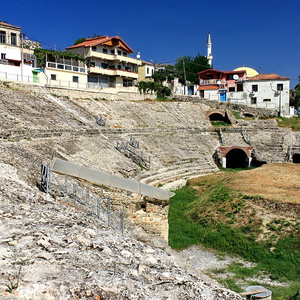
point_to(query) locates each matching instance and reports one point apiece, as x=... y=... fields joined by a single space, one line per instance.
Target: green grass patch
x=218 y=218
x=293 y=123
x=219 y=123
x=236 y=114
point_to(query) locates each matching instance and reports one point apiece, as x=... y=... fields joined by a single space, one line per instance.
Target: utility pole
x=184 y=74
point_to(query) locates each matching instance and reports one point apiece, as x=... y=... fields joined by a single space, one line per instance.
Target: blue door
x=223 y=97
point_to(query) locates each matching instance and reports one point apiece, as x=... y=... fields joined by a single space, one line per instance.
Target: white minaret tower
x=209 y=50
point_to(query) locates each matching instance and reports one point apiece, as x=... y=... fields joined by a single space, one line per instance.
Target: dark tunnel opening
x=217 y=117
x=236 y=158
x=296 y=158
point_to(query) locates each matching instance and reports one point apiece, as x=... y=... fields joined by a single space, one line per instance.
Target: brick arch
x=222 y=113
x=225 y=150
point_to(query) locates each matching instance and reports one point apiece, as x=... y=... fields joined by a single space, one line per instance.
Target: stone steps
x=168 y=175
x=175 y=165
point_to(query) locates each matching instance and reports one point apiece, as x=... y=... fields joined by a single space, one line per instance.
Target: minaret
x=209 y=50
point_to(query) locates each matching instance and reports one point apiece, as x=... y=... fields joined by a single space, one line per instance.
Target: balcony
x=109 y=72
x=210 y=81
x=112 y=57
x=65 y=67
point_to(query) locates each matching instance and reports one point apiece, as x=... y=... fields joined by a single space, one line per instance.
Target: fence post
x=108 y=212
x=98 y=207
x=66 y=185
x=122 y=214
x=45 y=178
x=75 y=188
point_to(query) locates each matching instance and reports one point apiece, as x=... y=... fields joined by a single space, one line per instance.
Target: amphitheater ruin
x=167 y=142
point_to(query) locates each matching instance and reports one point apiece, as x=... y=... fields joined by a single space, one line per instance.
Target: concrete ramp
x=134 y=186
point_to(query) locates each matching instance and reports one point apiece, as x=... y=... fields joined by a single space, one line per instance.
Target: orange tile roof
x=267 y=77
x=8 y=25
x=221 y=72
x=106 y=40
x=208 y=87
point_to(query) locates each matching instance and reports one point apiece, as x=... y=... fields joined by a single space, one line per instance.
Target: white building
x=270 y=91
x=246 y=86
x=109 y=62
x=15 y=62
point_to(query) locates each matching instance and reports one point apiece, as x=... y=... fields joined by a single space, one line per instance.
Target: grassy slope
x=223 y=212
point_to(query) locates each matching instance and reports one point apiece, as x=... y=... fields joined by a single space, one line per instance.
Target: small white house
x=15 y=61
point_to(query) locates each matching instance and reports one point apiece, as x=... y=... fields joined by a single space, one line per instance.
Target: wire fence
x=66 y=189
x=16 y=77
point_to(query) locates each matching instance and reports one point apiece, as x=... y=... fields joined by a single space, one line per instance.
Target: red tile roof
x=212 y=71
x=267 y=77
x=208 y=87
x=106 y=40
x=8 y=25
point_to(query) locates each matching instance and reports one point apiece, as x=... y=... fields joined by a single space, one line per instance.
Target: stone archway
x=296 y=158
x=218 y=116
x=236 y=157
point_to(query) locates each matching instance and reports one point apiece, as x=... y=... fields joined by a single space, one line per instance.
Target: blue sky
x=262 y=34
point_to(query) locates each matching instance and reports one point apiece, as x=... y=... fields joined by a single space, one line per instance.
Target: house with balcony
x=15 y=59
x=61 y=69
x=109 y=62
x=246 y=86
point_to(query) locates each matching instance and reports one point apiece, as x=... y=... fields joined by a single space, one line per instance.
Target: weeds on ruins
x=215 y=211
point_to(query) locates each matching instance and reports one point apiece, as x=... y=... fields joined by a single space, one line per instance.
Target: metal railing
x=16 y=77
x=62 y=66
x=66 y=189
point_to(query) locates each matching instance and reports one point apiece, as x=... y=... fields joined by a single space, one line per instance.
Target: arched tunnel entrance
x=237 y=158
x=218 y=117
x=296 y=158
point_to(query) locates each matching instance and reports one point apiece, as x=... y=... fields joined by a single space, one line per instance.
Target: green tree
x=295 y=95
x=78 y=41
x=187 y=67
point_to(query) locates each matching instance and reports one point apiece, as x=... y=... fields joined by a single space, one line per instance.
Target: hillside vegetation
x=250 y=213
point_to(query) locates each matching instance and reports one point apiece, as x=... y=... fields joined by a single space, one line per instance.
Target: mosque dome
x=249 y=71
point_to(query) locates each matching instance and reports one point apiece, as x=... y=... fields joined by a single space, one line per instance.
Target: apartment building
x=108 y=61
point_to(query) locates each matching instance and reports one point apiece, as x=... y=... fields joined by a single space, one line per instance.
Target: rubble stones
x=65 y=254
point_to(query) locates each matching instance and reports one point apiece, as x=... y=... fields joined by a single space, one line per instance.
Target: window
x=232 y=89
x=127 y=68
x=127 y=82
x=119 y=67
x=53 y=76
x=3 y=55
x=104 y=65
x=75 y=79
x=92 y=64
x=279 y=87
x=94 y=48
x=230 y=77
x=267 y=100
x=124 y=54
x=119 y=52
x=2 y=37
x=239 y=87
x=104 y=51
x=13 y=39
x=254 y=87
x=253 y=100
x=112 y=67
x=112 y=51
x=147 y=70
